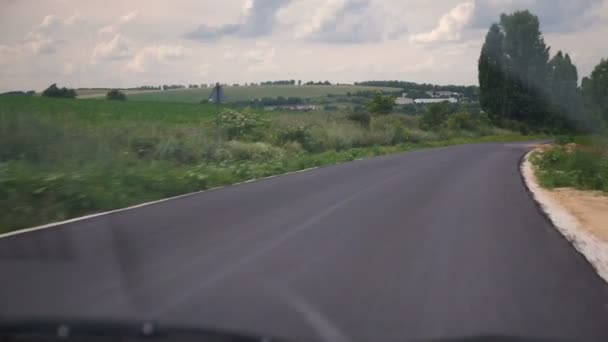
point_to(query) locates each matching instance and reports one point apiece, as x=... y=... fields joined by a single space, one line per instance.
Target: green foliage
x=54 y=91
x=300 y=134
x=363 y=118
x=519 y=83
x=61 y=158
x=461 y=121
x=435 y=116
x=581 y=168
x=492 y=74
x=258 y=151
x=381 y=104
x=245 y=124
x=116 y=95
x=595 y=90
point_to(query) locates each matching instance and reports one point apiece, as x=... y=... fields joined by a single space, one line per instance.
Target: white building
x=427 y=101
x=404 y=101
x=442 y=94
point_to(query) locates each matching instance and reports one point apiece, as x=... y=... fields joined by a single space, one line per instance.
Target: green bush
x=580 y=168
x=381 y=104
x=295 y=133
x=245 y=124
x=116 y=95
x=363 y=118
x=54 y=91
x=435 y=116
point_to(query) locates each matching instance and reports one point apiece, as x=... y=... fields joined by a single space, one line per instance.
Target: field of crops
x=241 y=93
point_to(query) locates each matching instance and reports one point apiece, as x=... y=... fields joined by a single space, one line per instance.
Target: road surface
x=422 y=245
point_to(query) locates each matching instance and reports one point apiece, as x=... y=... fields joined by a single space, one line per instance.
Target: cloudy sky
x=121 y=43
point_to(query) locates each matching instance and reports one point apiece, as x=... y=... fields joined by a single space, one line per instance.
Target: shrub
x=381 y=104
x=294 y=133
x=363 y=118
x=244 y=124
x=434 y=116
x=116 y=95
x=54 y=91
x=579 y=168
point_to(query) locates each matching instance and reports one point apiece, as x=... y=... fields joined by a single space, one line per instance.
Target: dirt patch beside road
x=589 y=207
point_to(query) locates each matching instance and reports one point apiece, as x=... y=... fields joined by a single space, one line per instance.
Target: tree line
x=521 y=85
x=418 y=90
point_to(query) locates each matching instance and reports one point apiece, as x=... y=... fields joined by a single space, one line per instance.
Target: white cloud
x=73 y=19
x=344 y=21
x=156 y=54
x=41 y=44
x=119 y=47
x=449 y=27
x=119 y=24
x=259 y=19
x=127 y=18
x=41 y=39
x=48 y=24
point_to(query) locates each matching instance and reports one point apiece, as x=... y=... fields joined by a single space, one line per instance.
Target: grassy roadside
x=33 y=197
x=66 y=158
x=578 y=162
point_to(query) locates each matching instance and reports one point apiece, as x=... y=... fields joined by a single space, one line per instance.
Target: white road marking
x=87 y=217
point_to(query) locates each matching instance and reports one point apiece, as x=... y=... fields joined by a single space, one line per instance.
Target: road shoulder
x=583 y=228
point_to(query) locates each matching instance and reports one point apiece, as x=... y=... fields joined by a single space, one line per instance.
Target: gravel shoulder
x=581 y=216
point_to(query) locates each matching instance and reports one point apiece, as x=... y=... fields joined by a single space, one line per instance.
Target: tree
x=564 y=94
x=526 y=62
x=518 y=82
x=491 y=74
x=299 y=82
x=381 y=104
x=116 y=95
x=54 y=91
x=595 y=90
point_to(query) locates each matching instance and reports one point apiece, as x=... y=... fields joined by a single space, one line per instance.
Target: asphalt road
x=422 y=245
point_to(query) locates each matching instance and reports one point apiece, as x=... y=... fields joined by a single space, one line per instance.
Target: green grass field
x=104 y=112
x=240 y=93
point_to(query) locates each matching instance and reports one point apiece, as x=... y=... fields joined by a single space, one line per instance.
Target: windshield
x=318 y=170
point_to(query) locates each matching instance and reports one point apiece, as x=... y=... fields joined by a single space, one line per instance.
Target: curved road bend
x=422 y=245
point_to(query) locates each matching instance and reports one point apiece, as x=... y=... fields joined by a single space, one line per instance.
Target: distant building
x=443 y=94
x=436 y=100
x=404 y=100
